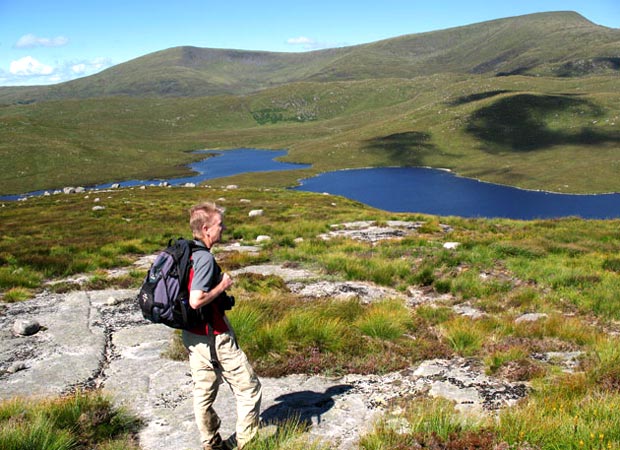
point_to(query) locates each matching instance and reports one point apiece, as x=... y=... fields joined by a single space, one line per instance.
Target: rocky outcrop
x=53 y=344
x=99 y=339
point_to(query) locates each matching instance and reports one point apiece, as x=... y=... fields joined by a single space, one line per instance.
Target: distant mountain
x=553 y=44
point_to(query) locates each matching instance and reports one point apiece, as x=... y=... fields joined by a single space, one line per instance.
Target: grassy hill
x=441 y=99
x=560 y=44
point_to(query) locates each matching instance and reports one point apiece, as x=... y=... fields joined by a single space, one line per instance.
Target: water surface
x=433 y=191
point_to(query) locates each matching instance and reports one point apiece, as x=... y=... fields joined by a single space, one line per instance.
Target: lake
x=217 y=165
x=439 y=192
x=408 y=189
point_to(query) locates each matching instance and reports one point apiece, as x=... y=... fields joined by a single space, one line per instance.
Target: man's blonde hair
x=201 y=215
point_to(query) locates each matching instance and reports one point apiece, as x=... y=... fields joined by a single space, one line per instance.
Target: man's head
x=206 y=222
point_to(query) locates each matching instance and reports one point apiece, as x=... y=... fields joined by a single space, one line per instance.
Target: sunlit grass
x=79 y=421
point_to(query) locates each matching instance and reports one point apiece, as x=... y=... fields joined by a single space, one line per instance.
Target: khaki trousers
x=236 y=370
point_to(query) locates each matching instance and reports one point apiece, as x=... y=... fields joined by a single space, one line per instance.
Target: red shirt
x=217 y=317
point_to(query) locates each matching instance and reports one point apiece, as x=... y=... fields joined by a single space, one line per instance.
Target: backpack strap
x=210 y=335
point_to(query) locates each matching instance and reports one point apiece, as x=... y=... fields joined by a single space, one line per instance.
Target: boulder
x=531 y=317
x=26 y=327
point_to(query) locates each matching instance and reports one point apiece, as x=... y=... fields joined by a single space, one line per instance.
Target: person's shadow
x=303 y=406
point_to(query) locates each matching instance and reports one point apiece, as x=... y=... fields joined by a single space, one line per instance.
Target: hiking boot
x=217 y=444
x=231 y=442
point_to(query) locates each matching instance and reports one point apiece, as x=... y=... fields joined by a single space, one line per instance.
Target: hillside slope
x=557 y=44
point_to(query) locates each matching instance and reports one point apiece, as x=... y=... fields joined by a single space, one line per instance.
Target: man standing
x=214 y=354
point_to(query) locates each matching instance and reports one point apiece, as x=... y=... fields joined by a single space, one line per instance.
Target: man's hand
x=226 y=281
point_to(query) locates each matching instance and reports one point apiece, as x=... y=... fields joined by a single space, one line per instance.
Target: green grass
x=79 y=421
x=565 y=268
x=538 y=134
x=284 y=335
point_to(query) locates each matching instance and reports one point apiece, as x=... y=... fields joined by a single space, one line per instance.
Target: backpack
x=164 y=294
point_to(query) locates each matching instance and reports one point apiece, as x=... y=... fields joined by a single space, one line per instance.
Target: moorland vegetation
x=530 y=101
x=567 y=269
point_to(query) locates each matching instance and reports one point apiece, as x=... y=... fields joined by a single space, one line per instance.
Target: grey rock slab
x=160 y=392
x=288 y=274
x=156 y=389
x=366 y=292
x=68 y=351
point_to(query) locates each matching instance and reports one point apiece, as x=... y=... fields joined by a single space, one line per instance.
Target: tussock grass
x=428 y=423
x=284 y=335
x=80 y=421
x=564 y=268
x=289 y=435
x=463 y=335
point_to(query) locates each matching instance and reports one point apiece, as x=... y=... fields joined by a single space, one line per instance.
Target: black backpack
x=164 y=295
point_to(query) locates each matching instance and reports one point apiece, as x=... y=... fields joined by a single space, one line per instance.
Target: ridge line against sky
x=44 y=42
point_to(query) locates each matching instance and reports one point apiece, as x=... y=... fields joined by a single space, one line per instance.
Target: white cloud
x=28 y=66
x=301 y=40
x=28 y=71
x=311 y=44
x=31 y=41
x=89 y=67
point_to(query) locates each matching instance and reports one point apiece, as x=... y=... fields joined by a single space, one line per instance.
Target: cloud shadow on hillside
x=475 y=97
x=403 y=149
x=519 y=123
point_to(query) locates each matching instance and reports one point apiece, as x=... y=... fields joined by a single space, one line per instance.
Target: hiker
x=214 y=354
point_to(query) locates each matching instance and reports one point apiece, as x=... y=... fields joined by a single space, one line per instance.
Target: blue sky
x=50 y=41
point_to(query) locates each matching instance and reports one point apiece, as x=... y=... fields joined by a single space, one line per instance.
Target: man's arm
x=198 y=298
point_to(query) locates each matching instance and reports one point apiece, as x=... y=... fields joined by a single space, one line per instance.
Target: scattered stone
x=368 y=234
x=16 y=367
x=531 y=317
x=416 y=297
x=245 y=200
x=68 y=190
x=115 y=186
x=46 y=194
x=111 y=301
x=298 y=240
x=256 y=213
x=190 y=185
x=468 y=311
x=569 y=360
x=366 y=292
x=288 y=274
x=232 y=186
x=263 y=238
x=80 y=190
x=26 y=327
x=96 y=200
x=98 y=208
x=451 y=245
x=238 y=247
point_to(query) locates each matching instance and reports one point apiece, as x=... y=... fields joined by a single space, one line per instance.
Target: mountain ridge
x=551 y=43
